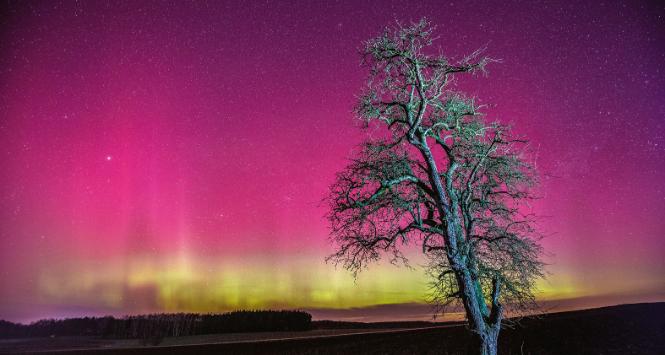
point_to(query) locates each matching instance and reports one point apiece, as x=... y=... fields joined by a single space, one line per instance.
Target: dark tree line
x=157 y=326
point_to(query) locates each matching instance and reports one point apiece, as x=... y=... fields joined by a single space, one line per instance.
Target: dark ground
x=626 y=329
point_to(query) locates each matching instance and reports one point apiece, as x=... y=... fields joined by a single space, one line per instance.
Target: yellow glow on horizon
x=183 y=283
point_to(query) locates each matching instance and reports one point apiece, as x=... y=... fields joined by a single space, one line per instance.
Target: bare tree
x=436 y=173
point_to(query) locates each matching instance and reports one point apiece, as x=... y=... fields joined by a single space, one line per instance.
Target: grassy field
x=627 y=329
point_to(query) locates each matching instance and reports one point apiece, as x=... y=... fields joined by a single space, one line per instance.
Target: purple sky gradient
x=163 y=156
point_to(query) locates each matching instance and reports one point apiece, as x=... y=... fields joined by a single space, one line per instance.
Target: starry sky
x=172 y=156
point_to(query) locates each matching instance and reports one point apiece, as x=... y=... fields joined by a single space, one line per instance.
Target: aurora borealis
x=163 y=156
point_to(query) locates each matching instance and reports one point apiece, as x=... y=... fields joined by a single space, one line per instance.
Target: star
x=108 y=158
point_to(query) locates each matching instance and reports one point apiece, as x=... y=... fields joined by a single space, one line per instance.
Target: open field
x=626 y=329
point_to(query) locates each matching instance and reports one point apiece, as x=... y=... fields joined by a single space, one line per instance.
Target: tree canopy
x=436 y=172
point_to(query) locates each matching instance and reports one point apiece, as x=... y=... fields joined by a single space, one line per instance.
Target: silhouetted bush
x=152 y=328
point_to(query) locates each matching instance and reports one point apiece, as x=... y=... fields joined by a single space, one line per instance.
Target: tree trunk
x=485 y=333
x=484 y=343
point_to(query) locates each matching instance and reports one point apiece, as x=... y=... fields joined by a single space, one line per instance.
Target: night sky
x=172 y=156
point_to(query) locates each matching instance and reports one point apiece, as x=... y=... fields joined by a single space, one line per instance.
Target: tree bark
x=484 y=343
x=489 y=345
x=485 y=333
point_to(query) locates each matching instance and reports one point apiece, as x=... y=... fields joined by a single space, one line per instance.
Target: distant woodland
x=154 y=327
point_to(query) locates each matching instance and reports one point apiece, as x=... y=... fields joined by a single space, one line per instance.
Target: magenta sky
x=172 y=157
